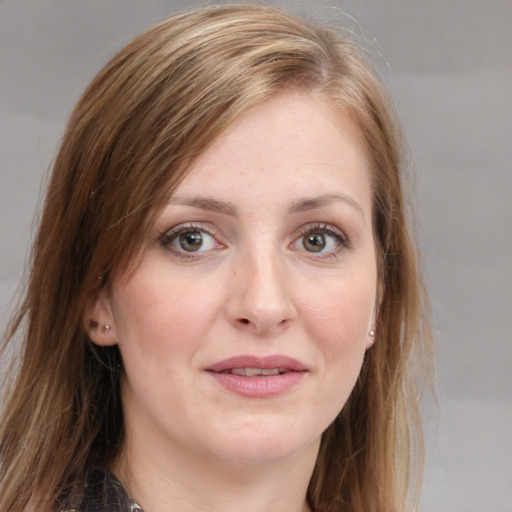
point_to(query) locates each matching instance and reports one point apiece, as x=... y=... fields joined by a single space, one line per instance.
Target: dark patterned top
x=102 y=492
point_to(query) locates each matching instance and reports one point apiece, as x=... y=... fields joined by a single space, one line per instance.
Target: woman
x=224 y=309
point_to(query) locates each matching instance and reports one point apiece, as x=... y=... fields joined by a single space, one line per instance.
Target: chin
x=257 y=454
x=264 y=445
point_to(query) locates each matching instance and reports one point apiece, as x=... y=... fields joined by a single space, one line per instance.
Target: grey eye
x=190 y=241
x=321 y=240
x=314 y=242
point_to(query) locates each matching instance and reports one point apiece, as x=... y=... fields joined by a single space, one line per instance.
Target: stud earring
x=106 y=328
x=372 y=334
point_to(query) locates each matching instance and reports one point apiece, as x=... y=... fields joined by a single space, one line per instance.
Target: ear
x=372 y=331
x=370 y=339
x=99 y=320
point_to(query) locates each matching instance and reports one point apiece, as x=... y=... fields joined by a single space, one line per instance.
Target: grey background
x=448 y=65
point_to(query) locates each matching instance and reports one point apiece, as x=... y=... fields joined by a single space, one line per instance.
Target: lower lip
x=263 y=386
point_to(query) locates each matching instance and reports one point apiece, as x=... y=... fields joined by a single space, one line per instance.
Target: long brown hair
x=157 y=105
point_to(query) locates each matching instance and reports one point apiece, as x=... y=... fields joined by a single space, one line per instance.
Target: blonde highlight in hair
x=152 y=110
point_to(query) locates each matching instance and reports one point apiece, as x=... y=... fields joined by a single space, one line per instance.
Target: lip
x=262 y=386
x=265 y=363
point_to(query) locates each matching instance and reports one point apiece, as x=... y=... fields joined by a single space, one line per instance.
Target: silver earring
x=372 y=334
x=106 y=328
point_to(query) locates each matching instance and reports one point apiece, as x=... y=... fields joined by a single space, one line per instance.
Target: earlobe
x=373 y=329
x=371 y=338
x=99 y=321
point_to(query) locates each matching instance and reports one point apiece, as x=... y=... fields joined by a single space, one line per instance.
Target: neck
x=162 y=480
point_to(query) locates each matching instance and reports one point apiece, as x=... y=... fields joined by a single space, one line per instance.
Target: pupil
x=314 y=242
x=191 y=241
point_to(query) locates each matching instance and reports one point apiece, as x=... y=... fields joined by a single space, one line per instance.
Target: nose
x=260 y=301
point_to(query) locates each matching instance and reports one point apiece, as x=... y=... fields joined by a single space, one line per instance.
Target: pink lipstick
x=258 y=377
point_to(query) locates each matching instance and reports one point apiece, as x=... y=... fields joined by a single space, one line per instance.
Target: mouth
x=258 y=377
x=255 y=372
x=254 y=366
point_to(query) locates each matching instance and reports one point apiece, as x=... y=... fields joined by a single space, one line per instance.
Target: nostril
x=244 y=321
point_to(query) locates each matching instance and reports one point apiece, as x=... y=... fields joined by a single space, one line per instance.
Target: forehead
x=292 y=144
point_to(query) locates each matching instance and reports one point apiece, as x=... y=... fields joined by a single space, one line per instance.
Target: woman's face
x=243 y=328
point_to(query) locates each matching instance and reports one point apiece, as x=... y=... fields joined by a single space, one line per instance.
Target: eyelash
x=326 y=229
x=167 y=237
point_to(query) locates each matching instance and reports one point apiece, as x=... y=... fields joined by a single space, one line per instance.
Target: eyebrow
x=301 y=205
x=205 y=203
x=312 y=203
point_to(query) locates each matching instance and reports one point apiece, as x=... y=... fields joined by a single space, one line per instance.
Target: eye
x=314 y=242
x=189 y=239
x=322 y=239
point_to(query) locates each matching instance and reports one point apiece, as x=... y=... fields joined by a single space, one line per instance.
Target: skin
x=291 y=168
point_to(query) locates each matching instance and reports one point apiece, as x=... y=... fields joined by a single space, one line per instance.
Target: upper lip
x=262 y=362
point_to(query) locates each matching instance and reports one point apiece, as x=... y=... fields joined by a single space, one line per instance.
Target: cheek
x=161 y=325
x=340 y=314
x=338 y=322
x=160 y=318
